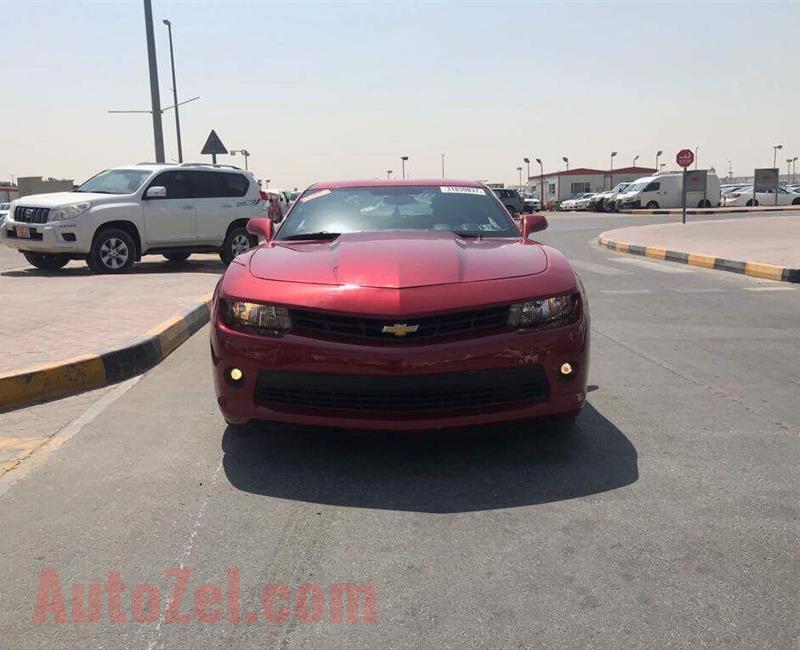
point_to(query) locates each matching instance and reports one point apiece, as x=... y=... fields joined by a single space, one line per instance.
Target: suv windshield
x=116 y=181
x=637 y=186
x=464 y=210
x=619 y=187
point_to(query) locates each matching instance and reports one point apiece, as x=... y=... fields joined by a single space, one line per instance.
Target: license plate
x=23 y=232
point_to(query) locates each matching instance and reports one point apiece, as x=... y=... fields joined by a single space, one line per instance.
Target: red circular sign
x=685 y=157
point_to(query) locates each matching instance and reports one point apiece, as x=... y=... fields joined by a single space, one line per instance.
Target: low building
x=7 y=193
x=37 y=185
x=570 y=183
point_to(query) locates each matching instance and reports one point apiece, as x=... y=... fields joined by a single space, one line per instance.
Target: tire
x=751 y=202
x=652 y=205
x=177 y=257
x=46 y=262
x=704 y=204
x=113 y=251
x=608 y=206
x=796 y=201
x=235 y=244
x=563 y=422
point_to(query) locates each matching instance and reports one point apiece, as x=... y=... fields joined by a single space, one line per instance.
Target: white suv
x=123 y=213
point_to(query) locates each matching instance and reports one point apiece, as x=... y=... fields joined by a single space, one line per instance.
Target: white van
x=663 y=190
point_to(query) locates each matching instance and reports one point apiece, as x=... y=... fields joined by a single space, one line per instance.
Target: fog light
x=566 y=369
x=236 y=374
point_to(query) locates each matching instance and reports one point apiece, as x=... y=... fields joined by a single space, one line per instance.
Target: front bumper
x=393 y=367
x=49 y=238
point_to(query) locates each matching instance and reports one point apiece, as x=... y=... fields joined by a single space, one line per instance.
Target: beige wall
x=37 y=185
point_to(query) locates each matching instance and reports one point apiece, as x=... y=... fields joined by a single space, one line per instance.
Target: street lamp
x=775 y=154
x=442 y=165
x=696 y=157
x=175 y=93
x=519 y=169
x=658 y=155
x=527 y=162
x=788 y=170
x=388 y=174
x=662 y=166
x=794 y=169
x=730 y=171
x=403 y=161
x=541 y=180
x=635 y=158
x=566 y=161
x=244 y=152
x=611 y=172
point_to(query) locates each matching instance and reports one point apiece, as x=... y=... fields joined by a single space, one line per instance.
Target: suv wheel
x=237 y=242
x=46 y=262
x=177 y=257
x=113 y=251
x=652 y=205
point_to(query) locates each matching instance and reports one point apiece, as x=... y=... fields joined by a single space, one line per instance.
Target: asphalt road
x=667 y=518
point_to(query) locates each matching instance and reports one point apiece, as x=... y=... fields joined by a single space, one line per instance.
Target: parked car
x=573 y=203
x=583 y=202
x=606 y=201
x=511 y=199
x=120 y=214
x=664 y=190
x=451 y=316
x=744 y=196
x=4 y=208
x=532 y=204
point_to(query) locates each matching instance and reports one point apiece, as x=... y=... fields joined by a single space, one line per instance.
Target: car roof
x=331 y=185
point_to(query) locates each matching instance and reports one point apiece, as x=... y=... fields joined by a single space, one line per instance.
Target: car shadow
x=140 y=268
x=447 y=471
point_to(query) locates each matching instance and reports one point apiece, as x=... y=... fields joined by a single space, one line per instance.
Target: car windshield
x=116 y=181
x=637 y=186
x=469 y=211
x=619 y=187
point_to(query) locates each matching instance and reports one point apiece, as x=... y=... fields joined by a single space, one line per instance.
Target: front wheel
x=796 y=201
x=751 y=203
x=46 y=262
x=237 y=242
x=652 y=205
x=704 y=204
x=113 y=251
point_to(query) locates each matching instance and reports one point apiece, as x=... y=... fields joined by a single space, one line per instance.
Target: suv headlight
x=69 y=211
x=544 y=311
x=255 y=317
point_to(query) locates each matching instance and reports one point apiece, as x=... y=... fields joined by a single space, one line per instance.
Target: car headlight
x=255 y=317
x=544 y=311
x=69 y=211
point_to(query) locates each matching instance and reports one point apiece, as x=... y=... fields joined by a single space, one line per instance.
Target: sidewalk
x=765 y=247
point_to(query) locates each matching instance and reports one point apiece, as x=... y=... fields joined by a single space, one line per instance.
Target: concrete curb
x=47 y=382
x=755 y=269
x=758 y=208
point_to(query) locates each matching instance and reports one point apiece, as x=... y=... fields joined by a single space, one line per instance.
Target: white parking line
x=597 y=268
x=661 y=267
x=778 y=288
x=709 y=290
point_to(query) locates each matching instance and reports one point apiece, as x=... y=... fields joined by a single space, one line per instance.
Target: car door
x=171 y=219
x=215 y=207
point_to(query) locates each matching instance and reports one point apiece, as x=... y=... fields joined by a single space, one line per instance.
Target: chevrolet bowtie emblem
x=399 y=329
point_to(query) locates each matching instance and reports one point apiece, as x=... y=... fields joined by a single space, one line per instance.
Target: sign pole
x=683 y=195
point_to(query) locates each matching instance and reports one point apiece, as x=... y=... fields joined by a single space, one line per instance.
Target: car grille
x=407 y=394
x=31 y=215
x=453 y=324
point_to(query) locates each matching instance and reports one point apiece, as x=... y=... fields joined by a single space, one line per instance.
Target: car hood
x=56 y=199
x=397 y=260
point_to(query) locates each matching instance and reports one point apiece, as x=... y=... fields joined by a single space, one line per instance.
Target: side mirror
x=157 y=192
x=533 y=223
x=260 y=226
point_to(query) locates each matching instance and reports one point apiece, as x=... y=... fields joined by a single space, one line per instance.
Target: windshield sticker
x=315 y=195
x=452 y=189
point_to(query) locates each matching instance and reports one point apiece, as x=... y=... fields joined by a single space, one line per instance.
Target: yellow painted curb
x=766 y=271
x=701 y=260
x=656 y=253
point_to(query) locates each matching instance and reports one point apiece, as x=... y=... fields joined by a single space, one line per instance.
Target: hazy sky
x=330 y=90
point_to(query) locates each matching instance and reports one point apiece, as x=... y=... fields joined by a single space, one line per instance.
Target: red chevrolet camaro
x=399 y=305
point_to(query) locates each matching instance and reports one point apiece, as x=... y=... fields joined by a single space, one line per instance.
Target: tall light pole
x=635 y=158
x=541 y=181
x=155 y=97
x=244 y=152
x=730 y=171
x=611 y=171
x=658 y=155
x=175 y=93
x=519 y=169
x=696 y=157
x=794 y=169
x=775 y=155
x=527 y=162
x=566 y=161
x=388 y=174
x=442 y=165
x=788 y=170
x=403 y=161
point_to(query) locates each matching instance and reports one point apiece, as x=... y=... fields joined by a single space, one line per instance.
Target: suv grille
x=464 y=322
x=403 y=395
x=31 y=215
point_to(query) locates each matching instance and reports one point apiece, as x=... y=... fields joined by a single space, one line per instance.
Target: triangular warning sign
x=213 y=144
